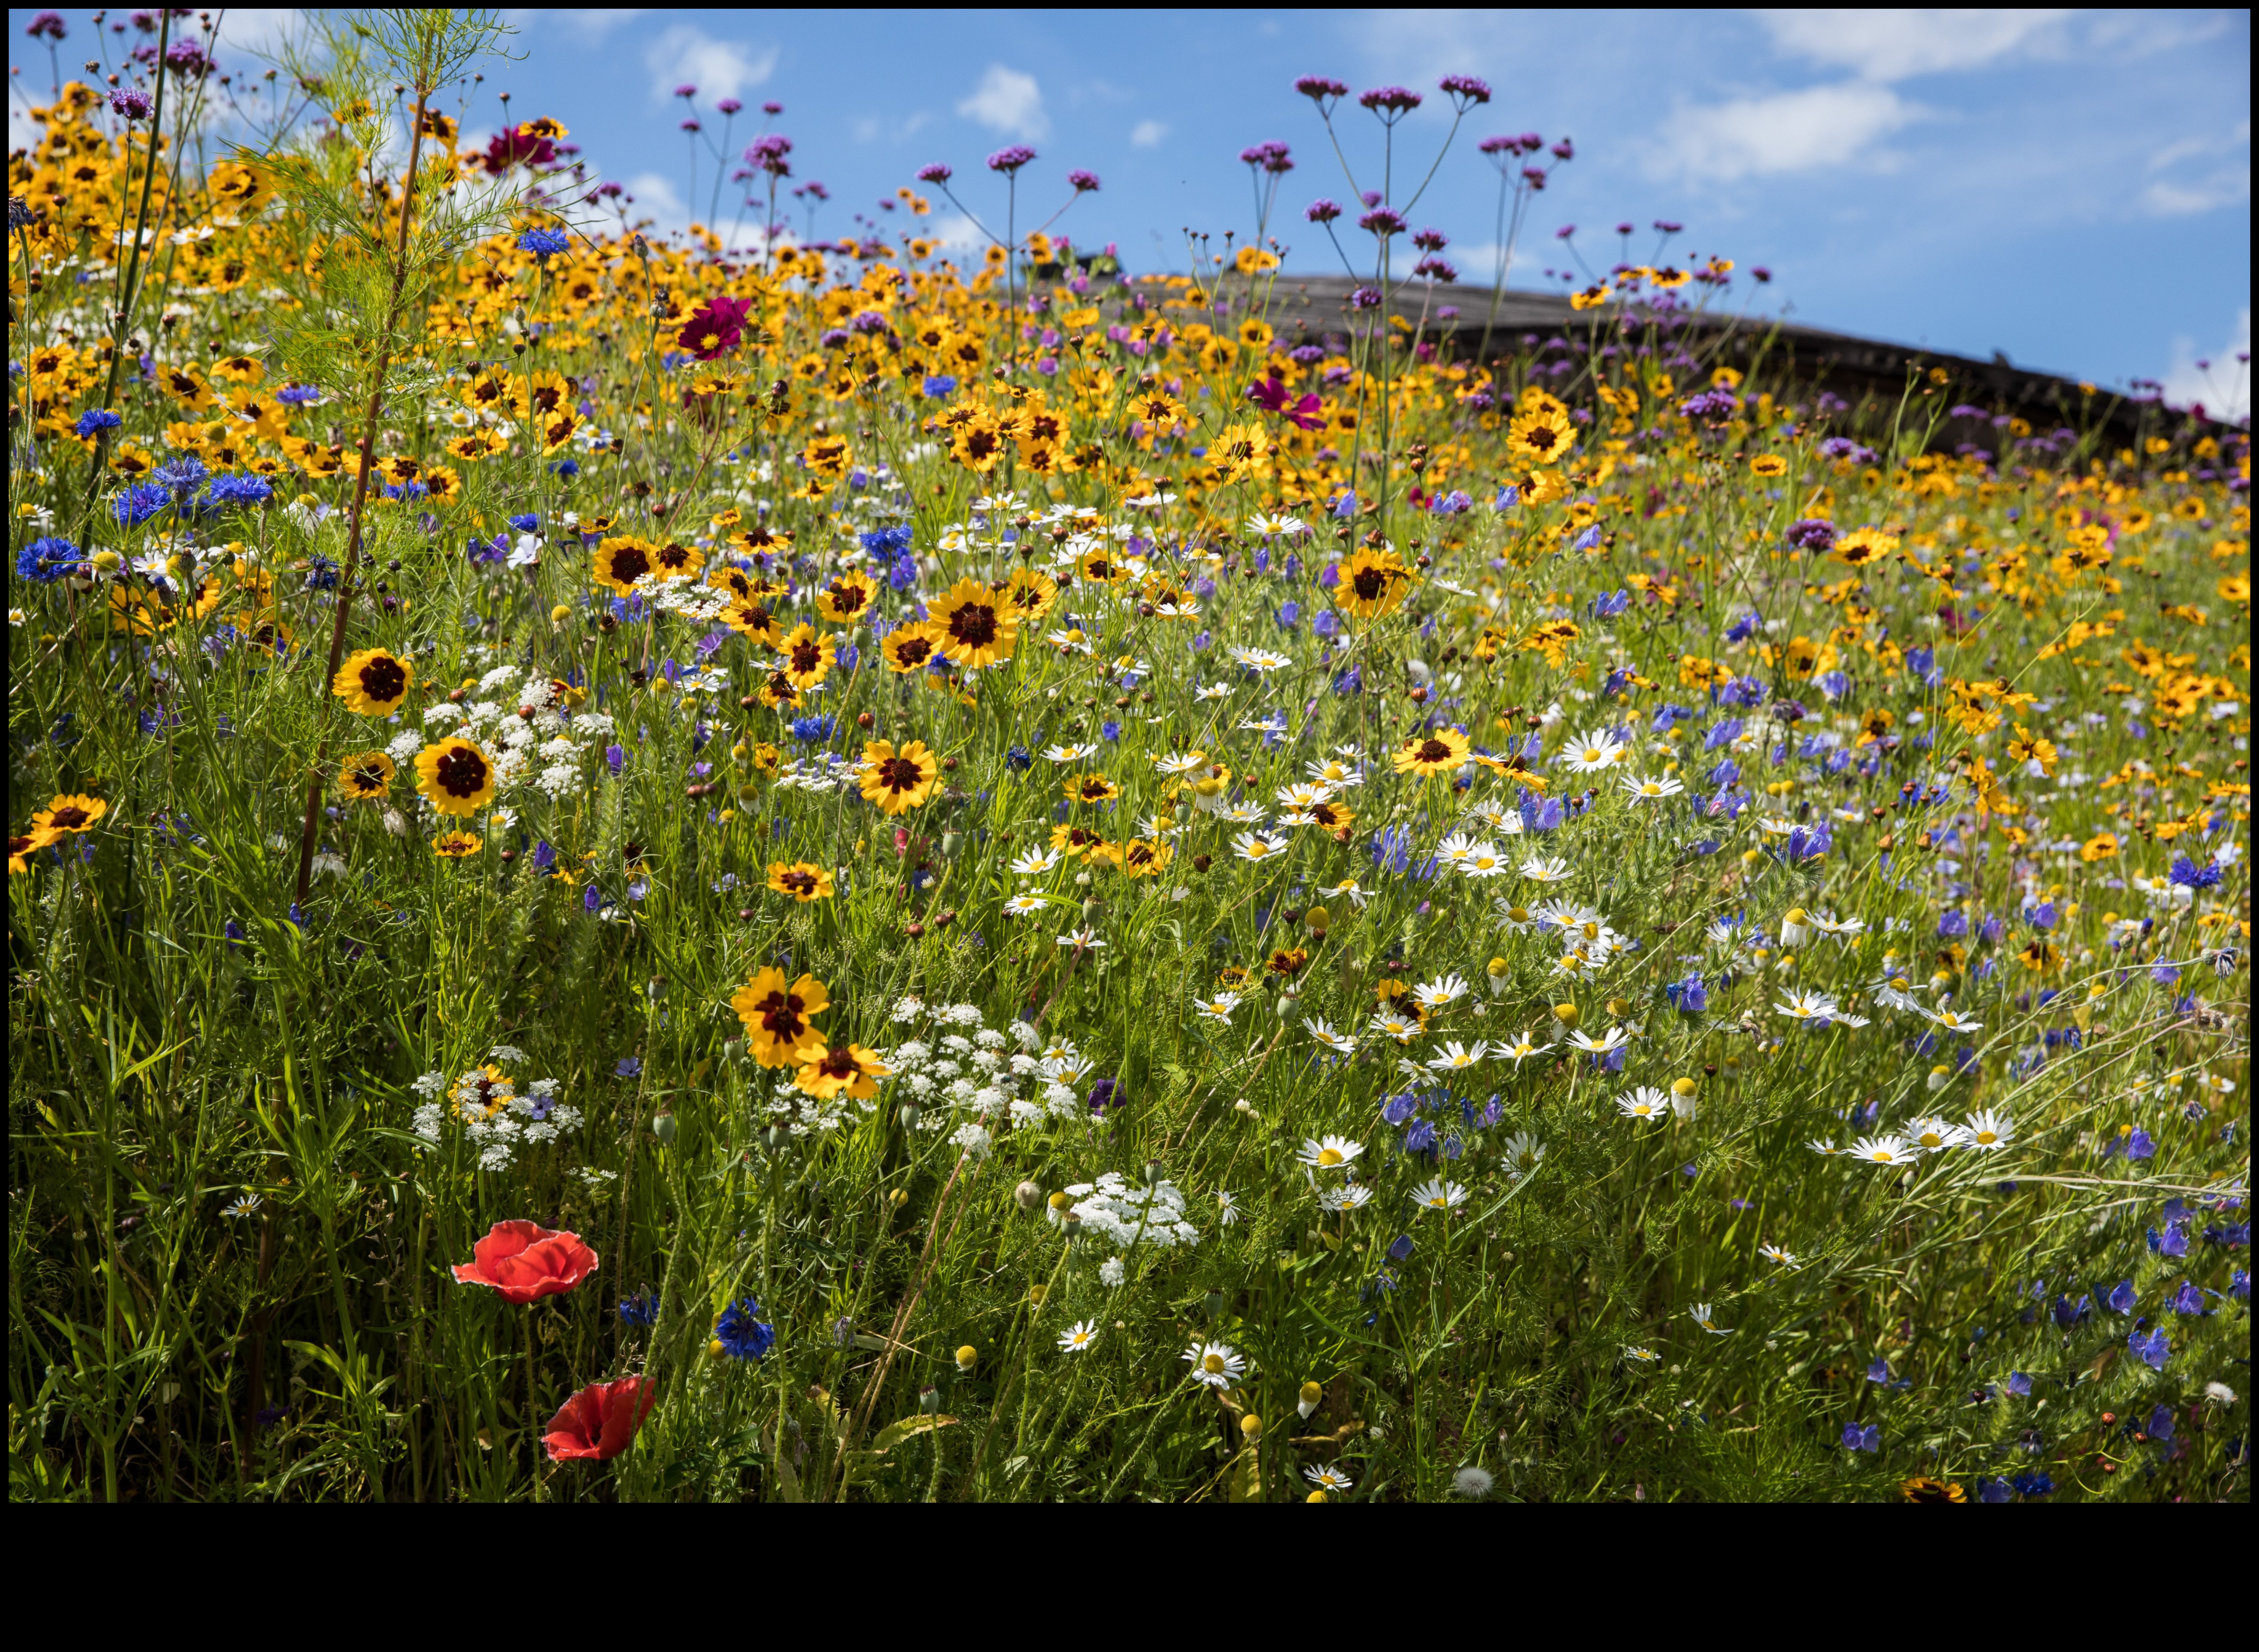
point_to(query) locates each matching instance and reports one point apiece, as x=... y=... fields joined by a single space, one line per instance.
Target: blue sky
x=2071 y=188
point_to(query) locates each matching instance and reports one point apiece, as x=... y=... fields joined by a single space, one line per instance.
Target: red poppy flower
x=1271 y=396
x=524 y=1262
x=601 y=1420
x=714 y=327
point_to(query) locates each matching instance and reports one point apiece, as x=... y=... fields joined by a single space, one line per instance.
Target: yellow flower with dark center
x=1541 y=436
x=757 y=540
x=908 y=648
x=1241 y=452
x=1288 y=960
x=456 y=776
x=779 y=1017
x=846 y=598
x=1922 y=1489
x=978 y=445
x=477 y=445
x=1100 y=568
x=374 y=682
x=1138 y=859
x=23 y=845
x=1863 y=546
x=365 y=775
x=1331 y=816
x=621 y=561
x=800 y=881
x=777 y=691
x=457 y=845
x=808 y=656
x=672 y=559
x=1254 y=334
x=1769 y=464
x=1372 y=583
x=844 y=1067
x=1091 y=788
x=71 y=812
x=897 y=780
x=1438 y=751
x=749 y=616
x=972 y=626
x=1079 y=841
x=1158 y=410
x=1028 y=594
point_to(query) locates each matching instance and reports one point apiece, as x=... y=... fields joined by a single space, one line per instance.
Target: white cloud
x=1821 y=127
x=2222 y=382
x=1896 y=43
x=2224 y=183
x=257 y=31
x=955 y=233
x=1010 y=103
x=1147 y=134
x=657 y=197
x=686 y=55
x=593 y=23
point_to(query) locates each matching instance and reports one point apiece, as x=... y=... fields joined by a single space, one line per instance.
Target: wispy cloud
x=1147 y=135
x=2222 y=383
x=1820 y=127
x=592 y=24
x=686 y=55
x=1009 y=102
x=2222 y=179
x=1888 y=44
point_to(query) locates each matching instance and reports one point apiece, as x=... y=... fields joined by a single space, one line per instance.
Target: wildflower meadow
x=726 y=866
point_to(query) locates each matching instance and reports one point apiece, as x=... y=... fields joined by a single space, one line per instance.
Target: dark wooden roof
x=1869 y=373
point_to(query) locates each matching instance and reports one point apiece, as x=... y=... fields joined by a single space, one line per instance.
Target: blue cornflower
x=298 y=395
x=1018 y=758
x=2035 y=1484
x=885 y=544
x=937 y=385
x=1992 y=1489
x=1867 y=1439
x=95 y=420
x=184 y=476
x=526 y=523
x=812 y=730
x=1403 y=1249
x=47 y=561
x=136 y=504
x=641 y=1309
x=240 y=490
x=741 y=1332
x=1109 y=730
x=2195 y=876
x=627 y=1067
x=544 y=243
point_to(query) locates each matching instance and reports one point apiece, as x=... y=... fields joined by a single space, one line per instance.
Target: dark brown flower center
x=806 y=656
x=1370 y=583
x=460 y=771
x=974 y=625
x=901 y=775
x=384 y=678
x=68 y=818
x=846 y=598
x=914 y=650
x=630 y=563
x=799 y=882
x=1434 y=751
